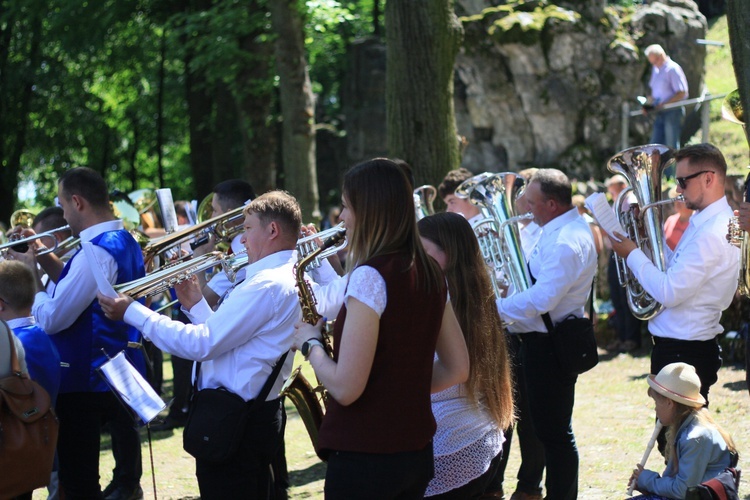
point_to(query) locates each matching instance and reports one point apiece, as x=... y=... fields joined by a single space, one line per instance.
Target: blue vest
x=42 y=358
x=82 y=346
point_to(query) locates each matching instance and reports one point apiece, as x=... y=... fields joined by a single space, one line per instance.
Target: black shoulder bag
x=573 y=339
x=216 y=420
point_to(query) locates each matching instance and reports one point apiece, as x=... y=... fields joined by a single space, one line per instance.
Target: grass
x=613 y=419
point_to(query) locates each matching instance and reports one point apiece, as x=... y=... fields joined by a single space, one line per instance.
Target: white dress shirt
x=563 y=263
x=240 y=343
x=77 y=290
x=530 y=234
x=700 y=280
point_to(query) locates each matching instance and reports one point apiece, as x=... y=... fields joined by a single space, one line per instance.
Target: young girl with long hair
x=472 y=415
x=698 y=449
x=396 y=340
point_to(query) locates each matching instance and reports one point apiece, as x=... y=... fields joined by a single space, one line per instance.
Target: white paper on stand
x=604 y=215
x=96 y=268
x=132 y=388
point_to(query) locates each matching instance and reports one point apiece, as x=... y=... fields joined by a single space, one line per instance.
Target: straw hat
x=678 y=382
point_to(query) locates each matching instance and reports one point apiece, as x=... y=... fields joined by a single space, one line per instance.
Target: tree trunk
x=422 y=40
x=256 y=104
x=15 y=102
x=738 y=19
x=201 y=144
x=298 y=140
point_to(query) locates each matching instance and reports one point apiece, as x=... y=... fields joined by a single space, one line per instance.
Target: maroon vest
x=394 y=412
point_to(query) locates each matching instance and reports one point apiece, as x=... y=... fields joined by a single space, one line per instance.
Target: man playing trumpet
x=701 y=274
x=240 y=343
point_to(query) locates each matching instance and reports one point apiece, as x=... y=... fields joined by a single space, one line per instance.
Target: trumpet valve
x=735 y=235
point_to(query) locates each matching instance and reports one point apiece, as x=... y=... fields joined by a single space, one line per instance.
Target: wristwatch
x=307 y=346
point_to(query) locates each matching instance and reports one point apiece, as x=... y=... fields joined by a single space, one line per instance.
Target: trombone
x=22 y=244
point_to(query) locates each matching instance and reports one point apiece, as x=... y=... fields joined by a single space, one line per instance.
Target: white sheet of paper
x=604 y=215
x=96 y=268
x=133 y=388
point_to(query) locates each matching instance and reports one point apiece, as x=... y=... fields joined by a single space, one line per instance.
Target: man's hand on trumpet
x=743 y=216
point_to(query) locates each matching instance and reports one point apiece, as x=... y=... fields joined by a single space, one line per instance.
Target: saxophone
x=310 y=402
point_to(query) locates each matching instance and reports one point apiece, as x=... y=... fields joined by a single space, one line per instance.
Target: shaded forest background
x=186 y=93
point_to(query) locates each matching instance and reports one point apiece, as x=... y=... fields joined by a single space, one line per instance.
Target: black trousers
x=377 y=476
x=531 y=470
x=704 y=355
x=81 y=416
x=247 y=473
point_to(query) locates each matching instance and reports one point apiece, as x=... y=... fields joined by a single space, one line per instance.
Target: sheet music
x=604 y=215
x=132 y=388
x=96 y=268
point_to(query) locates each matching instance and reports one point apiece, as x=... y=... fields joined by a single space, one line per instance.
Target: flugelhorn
x=643 y=167
x=308 y=245
x=169 y=276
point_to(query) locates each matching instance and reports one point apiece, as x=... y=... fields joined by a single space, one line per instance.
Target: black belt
x=666 y=340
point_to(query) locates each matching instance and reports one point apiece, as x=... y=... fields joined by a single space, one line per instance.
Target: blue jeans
x=551 y=394
x=667 y=127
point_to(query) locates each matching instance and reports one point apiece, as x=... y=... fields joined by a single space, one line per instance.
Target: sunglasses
x=682 y=181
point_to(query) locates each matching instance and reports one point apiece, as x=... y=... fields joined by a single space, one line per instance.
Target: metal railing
x=705 y=111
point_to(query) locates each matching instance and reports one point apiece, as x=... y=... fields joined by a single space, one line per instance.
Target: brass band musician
x=701 y=275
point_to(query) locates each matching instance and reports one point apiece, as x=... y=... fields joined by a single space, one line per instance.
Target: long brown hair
x=380 y=196
x=474 y=304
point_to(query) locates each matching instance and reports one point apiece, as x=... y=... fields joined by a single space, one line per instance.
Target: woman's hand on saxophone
x=114 y=309
x=305 y=331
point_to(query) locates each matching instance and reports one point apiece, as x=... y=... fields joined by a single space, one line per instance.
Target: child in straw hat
x=697 y=448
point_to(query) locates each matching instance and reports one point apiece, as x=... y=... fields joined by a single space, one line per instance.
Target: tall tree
x=738 y=19
x=422 y=40
x=297 y=106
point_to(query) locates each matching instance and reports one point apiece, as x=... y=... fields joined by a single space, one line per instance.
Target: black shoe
x=122 y=493
x=168 y=424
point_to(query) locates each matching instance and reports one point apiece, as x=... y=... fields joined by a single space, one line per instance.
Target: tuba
x=497 y=232
x=424 y=196
x=310 y=402
x=643 y=167
x=731 y=110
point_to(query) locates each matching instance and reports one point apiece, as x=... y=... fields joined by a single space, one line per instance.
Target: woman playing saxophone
x=396 y=340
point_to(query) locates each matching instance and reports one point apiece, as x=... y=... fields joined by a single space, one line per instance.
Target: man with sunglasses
x=701 y=275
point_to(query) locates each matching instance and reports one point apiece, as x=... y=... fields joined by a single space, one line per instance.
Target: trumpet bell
x=731 y=108
x=23 y=218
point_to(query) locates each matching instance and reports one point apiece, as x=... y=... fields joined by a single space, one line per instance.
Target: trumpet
x=309 y=244
x=22 y=244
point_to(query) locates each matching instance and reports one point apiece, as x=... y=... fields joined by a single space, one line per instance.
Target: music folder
x=132 y=388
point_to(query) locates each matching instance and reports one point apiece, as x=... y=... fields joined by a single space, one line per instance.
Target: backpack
x=28 y=431
x=722 y=487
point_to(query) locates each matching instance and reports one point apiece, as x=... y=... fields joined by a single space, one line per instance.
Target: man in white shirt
x=84 y=338
x=563 y=264
x=239 y=344
x=701 y=276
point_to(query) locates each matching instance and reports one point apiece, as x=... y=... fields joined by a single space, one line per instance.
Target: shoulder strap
x=261 y=398
x=15 y=365
x=545 y=317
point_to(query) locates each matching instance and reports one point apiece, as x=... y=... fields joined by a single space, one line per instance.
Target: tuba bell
x=643 y=167
x=497 y=232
